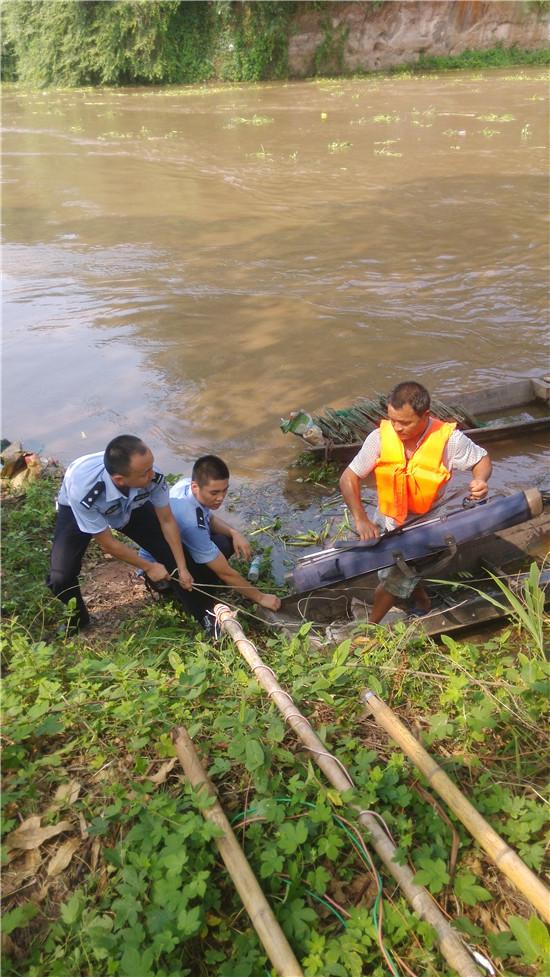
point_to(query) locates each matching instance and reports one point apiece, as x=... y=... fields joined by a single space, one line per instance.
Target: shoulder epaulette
x=93 y=495
x=158 y=478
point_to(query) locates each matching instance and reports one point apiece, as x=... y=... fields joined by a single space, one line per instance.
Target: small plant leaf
x=432 y=874
x=469 y=891
x=254 y=755
x=17 y=917
x=534 y=945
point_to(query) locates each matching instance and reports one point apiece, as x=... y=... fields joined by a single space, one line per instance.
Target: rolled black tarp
x=431 y=536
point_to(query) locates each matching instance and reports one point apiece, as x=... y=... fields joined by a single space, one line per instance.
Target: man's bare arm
x=350 y=487
x=481 y=473
x=120 y=551
x=171 y=533
x=231 y=578
x=240 y=543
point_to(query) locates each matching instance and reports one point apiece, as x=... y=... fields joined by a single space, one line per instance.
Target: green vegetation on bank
x=70 y=42
x=497 y=57
x=76 y=42
x=120 y=875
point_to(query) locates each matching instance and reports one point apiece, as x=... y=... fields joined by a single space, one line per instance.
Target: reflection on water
x=192 y=264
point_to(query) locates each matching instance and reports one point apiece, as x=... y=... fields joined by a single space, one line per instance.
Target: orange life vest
x=411 y=486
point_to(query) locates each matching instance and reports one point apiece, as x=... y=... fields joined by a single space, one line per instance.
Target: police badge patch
x=159 y=480
x=113 y=508
x=93 y=495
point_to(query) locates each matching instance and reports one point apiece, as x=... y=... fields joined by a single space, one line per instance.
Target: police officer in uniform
x=210 y=541
x=120 y=489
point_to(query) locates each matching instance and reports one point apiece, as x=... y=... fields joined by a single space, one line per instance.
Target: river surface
x=191 y=264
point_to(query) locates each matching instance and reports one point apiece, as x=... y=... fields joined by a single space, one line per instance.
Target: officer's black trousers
x=70 y=545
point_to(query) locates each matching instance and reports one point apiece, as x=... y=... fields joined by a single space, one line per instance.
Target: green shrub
x=71 y=42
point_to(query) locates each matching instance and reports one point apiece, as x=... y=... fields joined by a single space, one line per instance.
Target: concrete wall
x=347 y=37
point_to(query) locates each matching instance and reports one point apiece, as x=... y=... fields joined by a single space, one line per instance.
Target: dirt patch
x=113 y=594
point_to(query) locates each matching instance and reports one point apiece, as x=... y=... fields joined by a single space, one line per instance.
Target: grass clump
x=88 y=752
x=27 y=525
x=496 y=57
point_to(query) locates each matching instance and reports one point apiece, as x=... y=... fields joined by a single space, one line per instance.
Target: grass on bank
x=131 y=885
x=496 y=57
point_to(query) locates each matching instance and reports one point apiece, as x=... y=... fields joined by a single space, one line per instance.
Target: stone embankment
x=348 y=37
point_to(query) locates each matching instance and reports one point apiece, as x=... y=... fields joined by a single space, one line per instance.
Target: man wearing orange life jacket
x=413 y=456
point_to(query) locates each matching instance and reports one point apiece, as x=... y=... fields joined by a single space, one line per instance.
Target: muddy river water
x=191 y=264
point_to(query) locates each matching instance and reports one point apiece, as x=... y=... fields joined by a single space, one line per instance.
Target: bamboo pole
x=504 y=857
x=452 y=947
x=263 y=920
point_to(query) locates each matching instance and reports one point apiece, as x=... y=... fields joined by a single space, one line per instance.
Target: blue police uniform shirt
x=193 y=521
x=95 y=500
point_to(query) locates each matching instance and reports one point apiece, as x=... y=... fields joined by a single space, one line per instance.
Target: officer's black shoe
x=209 y=626
x=158 y=588
x=71 y=628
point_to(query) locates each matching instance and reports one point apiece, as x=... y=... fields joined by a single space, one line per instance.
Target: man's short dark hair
x=209 y=468
x=119 y=452
x=411 y=393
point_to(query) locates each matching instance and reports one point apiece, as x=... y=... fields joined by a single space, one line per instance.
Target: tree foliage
x=120 y=42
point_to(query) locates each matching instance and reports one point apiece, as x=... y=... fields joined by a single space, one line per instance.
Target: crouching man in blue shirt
x=207 y=539
x=119 y=489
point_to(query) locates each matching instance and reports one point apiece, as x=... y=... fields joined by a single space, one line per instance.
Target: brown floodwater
x=190 y=264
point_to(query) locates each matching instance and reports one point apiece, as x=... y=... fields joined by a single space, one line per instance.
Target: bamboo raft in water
x=509 y=410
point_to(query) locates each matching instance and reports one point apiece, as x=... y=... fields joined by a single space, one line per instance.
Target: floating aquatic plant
x=254 y=120
x=261 y=154
x=383 y=151
x=521 y=76
x=496 y=118
x=425 y=112
x=116 y=135
x=336 y=147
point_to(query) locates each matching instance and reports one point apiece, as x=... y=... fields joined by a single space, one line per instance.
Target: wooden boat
x=465 y=607
x=510 y=410
x=471 y=563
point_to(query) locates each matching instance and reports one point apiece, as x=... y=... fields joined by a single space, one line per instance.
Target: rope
x=317 y=597
x=330 y=757
x=237 y=608
x=383 y=823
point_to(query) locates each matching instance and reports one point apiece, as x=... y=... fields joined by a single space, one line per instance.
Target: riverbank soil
x=114 y=595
